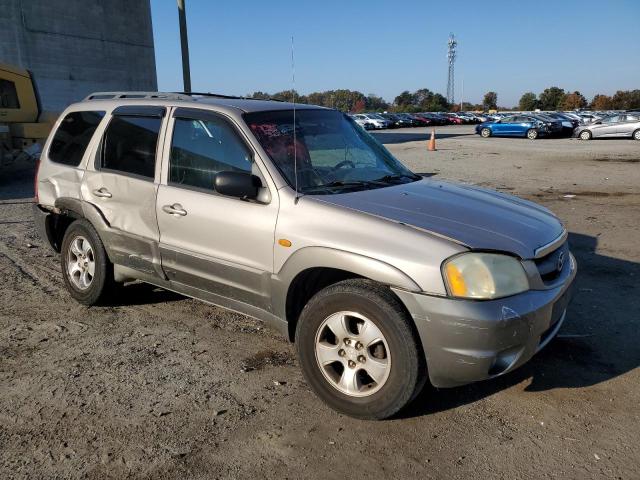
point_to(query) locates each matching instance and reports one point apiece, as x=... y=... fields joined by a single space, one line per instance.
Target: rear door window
x=72 y=137
x=129 y=145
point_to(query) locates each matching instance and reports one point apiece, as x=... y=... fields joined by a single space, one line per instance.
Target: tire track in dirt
x=26 y=270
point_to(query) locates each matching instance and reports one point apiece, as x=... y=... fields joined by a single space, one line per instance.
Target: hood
x=478 y=218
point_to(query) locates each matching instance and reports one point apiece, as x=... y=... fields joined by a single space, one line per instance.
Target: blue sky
x=384 y=47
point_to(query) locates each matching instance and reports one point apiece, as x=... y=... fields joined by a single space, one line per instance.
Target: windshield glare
x=332 y=153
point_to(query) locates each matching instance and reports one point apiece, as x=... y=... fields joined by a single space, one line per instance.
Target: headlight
x=484 y=276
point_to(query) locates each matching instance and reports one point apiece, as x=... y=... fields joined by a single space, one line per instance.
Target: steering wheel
x=344 y=163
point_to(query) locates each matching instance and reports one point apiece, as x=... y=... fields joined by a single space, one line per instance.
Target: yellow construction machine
x=23 y=126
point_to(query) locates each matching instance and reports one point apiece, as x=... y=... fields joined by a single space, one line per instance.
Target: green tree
x=528 y=102
x=404 y=99
x=551 y=98
x=490 y=101
x=374 y=102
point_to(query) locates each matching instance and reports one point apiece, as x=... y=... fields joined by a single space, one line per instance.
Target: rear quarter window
x=72 y=137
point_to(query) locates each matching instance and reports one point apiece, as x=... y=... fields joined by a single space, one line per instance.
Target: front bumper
x=466 y=341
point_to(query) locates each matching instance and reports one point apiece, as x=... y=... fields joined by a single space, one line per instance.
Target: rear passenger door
x=214 y=243
x=628 y=124
x=122 y=183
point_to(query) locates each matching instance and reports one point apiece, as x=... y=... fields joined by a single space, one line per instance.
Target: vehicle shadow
x=143 y=294
x=597 y=342
x=392 y=137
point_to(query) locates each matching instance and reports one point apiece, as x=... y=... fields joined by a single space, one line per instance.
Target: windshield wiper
x=349 y=183
x=344 y=184
x=398 y=176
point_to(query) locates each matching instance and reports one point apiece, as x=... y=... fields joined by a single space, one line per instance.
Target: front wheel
x=532 y=134
x=357 y=350
x=585 y=135
x=485 y=132
x=636 y=134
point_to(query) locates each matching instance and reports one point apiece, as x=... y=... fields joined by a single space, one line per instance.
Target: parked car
x=453 y=119
x=376 y=120
x=422 y=121
x=528 y=126
x=435 y=118
x=568 y=124
x=622 y=125
x=410 y=119
x=302 y=220
x=396 y=121
x=363 y=122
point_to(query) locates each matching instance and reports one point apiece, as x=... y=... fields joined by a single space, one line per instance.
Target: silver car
x=626 y=125
x=297 y=217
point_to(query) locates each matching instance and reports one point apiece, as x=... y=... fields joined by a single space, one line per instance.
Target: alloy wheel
x=352 y=354
x=81 y=264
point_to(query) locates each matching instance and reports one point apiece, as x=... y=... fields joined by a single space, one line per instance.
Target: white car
x=376 y=120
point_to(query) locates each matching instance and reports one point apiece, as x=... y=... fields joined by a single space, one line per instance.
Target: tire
x=485 y=132
x=585 y=135
x=636 y=135
x=532 y=134
x=87 y=272
x=355 y=309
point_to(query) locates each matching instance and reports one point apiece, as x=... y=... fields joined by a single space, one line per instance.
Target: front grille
x=548 y=265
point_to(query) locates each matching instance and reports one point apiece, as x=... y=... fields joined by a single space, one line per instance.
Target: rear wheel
x=585 y=135
x=636 y=134
x=532 y=134
x=485 y=132
x=86 y=270
x=357 y=350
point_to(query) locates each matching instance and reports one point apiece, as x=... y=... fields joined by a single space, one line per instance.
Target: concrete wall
x=75 y=47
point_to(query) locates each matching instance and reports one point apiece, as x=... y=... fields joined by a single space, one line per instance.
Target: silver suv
x=296 y=216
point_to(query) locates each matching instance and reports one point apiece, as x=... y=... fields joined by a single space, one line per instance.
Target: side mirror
x=598 y=122
x=242 y=185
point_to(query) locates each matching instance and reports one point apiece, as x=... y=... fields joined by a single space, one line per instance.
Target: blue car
x=529 y=126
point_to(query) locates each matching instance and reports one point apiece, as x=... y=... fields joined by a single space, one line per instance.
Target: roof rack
x=232 y=97
x=166 y=96
x=112 y=95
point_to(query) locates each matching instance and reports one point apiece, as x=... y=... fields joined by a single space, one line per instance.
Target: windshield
x=332 y=154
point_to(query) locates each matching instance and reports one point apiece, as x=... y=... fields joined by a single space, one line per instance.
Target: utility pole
x=451 y=56
x=184 y=43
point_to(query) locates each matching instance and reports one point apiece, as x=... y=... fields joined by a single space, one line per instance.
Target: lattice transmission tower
x=451 y=55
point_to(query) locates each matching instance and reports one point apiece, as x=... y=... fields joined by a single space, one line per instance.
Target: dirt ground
x=160 y=386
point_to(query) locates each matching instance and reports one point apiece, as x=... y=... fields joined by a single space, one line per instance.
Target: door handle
x=102 y=193
x=175 y=209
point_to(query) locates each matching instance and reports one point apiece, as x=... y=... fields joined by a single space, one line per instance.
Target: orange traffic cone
x=432 y=142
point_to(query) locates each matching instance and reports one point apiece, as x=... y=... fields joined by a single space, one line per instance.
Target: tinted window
x=8 y=95
x=202 y=148
x=130 y=145
x=72 y=137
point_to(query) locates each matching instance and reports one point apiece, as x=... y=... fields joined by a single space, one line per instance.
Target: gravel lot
x=160 y=386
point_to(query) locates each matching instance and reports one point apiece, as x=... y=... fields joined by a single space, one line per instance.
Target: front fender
x=324 y=257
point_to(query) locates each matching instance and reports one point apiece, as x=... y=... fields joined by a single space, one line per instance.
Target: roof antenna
x=295 y=146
